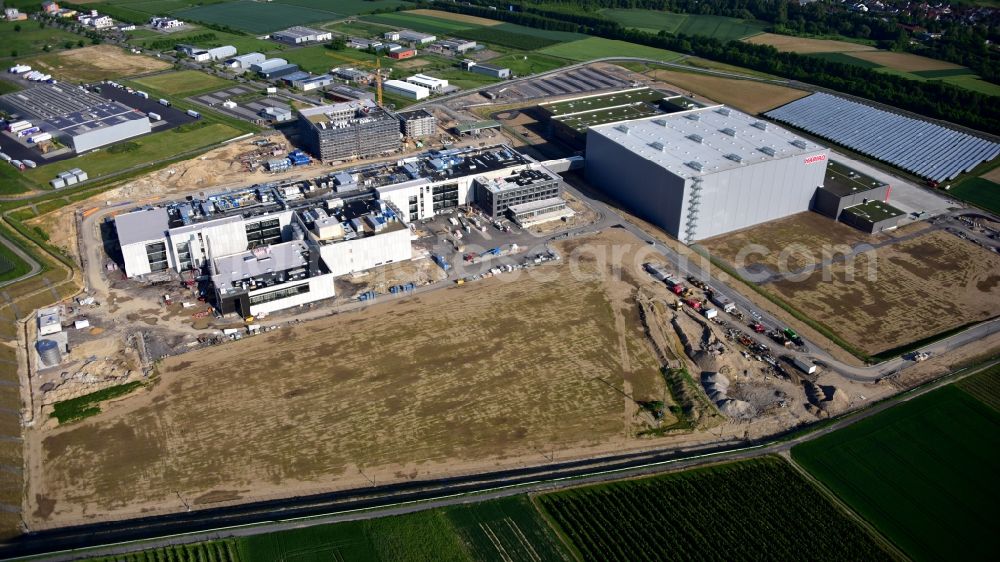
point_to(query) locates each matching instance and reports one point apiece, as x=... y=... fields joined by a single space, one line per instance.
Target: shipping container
x=806 y=366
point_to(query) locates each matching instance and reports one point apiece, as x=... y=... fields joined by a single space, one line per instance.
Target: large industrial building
x=704 y=172
x=405 y=89
x=299 y=35
x=76 y=117
x=344 y=131
x=265 y=248
x=274 y=246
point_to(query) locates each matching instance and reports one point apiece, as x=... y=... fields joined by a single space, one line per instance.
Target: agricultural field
x=255 y=17
x=895 y=297
x=979 y=191
x=462 y=18
x=11 y=266
x=183 y=82
x=653 y=21
x=416 y=22
x=905 y=62
x=31 y=39
x=497 y=36
x=203 y=37
x=806 y=45
x=150 y=149
x=762 y=509
x=597 y=47
x=922 y=472
x=92 y=64
x=523 y=64
x=746 y=95
x=508 y=529
x=217 y=425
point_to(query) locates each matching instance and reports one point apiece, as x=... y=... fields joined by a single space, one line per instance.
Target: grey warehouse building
x=843 y=188
x=704 y=172
x=79 y=118
x=354 y=129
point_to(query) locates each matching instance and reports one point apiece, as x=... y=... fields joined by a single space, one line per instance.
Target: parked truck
x=806 y=367
x=163 y=102
x=722 y=302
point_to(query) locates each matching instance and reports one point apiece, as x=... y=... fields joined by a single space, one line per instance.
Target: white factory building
x=435 y=85
x=704 y=172
x=406 y=89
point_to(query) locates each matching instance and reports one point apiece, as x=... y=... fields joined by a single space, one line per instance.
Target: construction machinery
x=378 y=79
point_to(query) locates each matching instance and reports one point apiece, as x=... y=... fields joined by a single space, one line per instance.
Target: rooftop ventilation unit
x=622 y=128
x=735 y=157
x=660 y=122
x=767 y=150
x=723 y=111
x=696 y=138
x=729 y=131
x=760 y=125
x=694 y=165
x=658 y=146
x=799 y=143
x=693 y=116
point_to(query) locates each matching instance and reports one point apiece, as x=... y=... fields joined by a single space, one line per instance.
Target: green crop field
x=922 y=472
x=151 y=149
x=255 y=17
x=523 y=64
x=418 y=22
x=31 y=40
x=495 y=36
x=720 y=27
x=844 y=58
x=543 y=33
x=980 y=192
x=11 y=266
x=762 y=509
x=345 y=7
x=205 y=38
x=215 y=551
x=183 y=82
x=89 y=404
x=597 y=47
x=984 y=386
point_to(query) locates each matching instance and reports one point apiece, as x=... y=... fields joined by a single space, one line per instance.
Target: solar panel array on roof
x=923 y=148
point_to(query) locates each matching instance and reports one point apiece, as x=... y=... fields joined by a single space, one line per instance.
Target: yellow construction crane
x=378 y=79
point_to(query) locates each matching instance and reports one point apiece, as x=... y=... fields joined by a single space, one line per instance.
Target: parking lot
x=170 y=117
x=577 y=81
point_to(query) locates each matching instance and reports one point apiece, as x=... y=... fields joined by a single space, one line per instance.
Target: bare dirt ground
x=806 y=45
x=746 y=95
x=922 y=287
x=499 y=372
x=993 y=175
x=98 y=62
x=906 y=62
x=454 y=17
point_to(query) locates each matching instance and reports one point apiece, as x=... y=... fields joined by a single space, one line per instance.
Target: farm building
x=406 y=89
x=486 y=69
x=705 y=171
x=245 y=61
x=404 y=54
x=417 y=123
x=435 y=85
x=348 y=130
x=77 y=117
x=299 y=35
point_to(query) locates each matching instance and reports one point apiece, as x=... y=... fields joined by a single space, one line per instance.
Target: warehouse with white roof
x=705 y=172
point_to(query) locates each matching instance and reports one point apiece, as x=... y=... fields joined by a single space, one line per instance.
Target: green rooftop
x=842 y=181
x=592 y=103
x=584 y=120
x=874 y=211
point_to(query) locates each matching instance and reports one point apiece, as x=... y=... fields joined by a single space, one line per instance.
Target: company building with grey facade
x=706 y=171
x=344 y=131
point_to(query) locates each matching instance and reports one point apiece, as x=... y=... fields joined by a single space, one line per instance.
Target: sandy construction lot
x=906 y=62
x=806 y=45
x=493 y=372
x=746 y=95
x=922 y=286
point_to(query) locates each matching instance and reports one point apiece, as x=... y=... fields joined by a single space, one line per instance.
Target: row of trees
x=932 y=98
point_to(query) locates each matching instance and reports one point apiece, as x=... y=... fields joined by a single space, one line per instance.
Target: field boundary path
x=34 y=265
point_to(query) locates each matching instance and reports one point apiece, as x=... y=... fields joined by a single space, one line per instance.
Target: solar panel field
x=762 y=509
x=923 y=472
